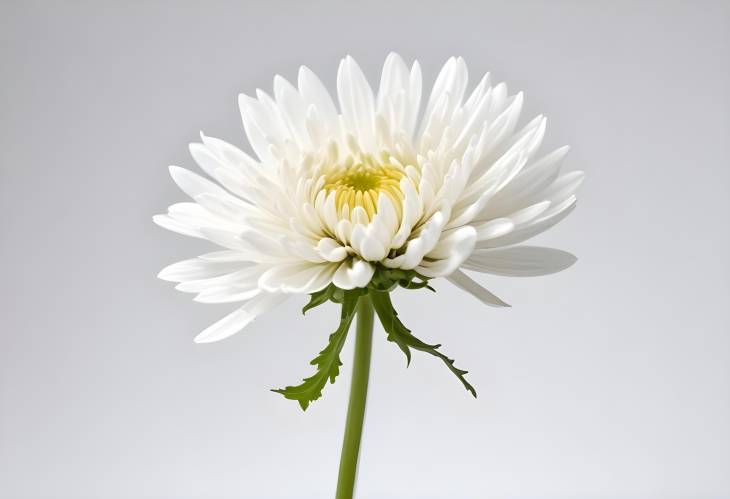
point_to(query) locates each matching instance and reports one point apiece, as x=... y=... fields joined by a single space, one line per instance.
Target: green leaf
x=328 y=361
x=320 y=297
x=402 y=336
x=386 y=280
x=412 y=284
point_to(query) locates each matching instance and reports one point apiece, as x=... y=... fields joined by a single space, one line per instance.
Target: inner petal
x=362 y=182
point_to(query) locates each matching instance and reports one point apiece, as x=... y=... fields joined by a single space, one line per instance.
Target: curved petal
x=449 y=86
x=493 y=228
x=353 y=273
x=520 y=261
x=449 y=253
x=356 y=101
x=331 y=250
x=239 y=319
x=260 y=136
x=169 y=223
x=400 y=94
x=196 y=268
x=297 y=277
x=531 y=229
x=193 y=184
x=315 y=93
x=244 y=279
x=421 y=244
x=293 y=110
x=225 y=295
x=466 y=283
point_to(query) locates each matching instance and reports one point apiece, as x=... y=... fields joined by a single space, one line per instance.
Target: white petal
x=388 y=216
x=502 y=127
x=504 y=169
x=231 y=155
x=227 y=239
x=258 y=137
x=520 y=261
x=314 y=92
x=244 y=279
x=353 y=273
x=527 y=187
x=529 y=213
x=564 y=187
x=214 y=155
x=274 y=279
x=297 y=277
x=205 y=158
x=367 y=244
x=195 y=268
x=478 y=93
x=257 y=245
x=400 y=94
x=450 y=84
x=549 y=218
x=343 y=230
x=372 y=241
x=412 y=209
x=466 y=283
x=225 y=295
x=420 y=244
x=168 y=223
x=193 y=184
x=227 y=208
x=224 y=256
x=356 y=101
x=321 y=279
x=239 y=319
x=194 y=215
x=293 y=110
x=393 y=79
x=247 y=186
x=414 y=99
x=331 y=250
x=450 y=252
x=493 y=228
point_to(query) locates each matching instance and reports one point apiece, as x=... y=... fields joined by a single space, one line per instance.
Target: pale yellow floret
x=362 y=183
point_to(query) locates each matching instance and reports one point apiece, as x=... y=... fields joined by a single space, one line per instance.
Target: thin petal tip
x=202 y=340
x=163 y=275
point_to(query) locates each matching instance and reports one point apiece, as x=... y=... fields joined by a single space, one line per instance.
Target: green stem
x=358 y=395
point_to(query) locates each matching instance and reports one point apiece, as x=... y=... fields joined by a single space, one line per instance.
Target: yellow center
x=361 y=184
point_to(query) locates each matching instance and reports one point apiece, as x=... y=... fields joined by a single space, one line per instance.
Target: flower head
x=346 y=195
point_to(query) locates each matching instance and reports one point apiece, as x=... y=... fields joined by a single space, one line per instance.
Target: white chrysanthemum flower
x=340 y=190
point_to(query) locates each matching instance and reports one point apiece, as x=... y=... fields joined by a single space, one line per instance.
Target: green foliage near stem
x=402 y=336
x=389 y=279
x=321 y=297
x=328 y=361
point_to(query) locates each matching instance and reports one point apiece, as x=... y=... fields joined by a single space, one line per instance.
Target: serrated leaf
x=386 y=280
x=328 y=361
x=402 y=336
x=318 y=298
x=411 y=284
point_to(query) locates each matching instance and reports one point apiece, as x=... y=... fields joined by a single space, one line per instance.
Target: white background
x=610 y=380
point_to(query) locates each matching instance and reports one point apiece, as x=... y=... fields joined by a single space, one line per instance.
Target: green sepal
x=415 y=285
x=328 y=361
x=386 y=280
x=402 y=336
x=320 y=297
